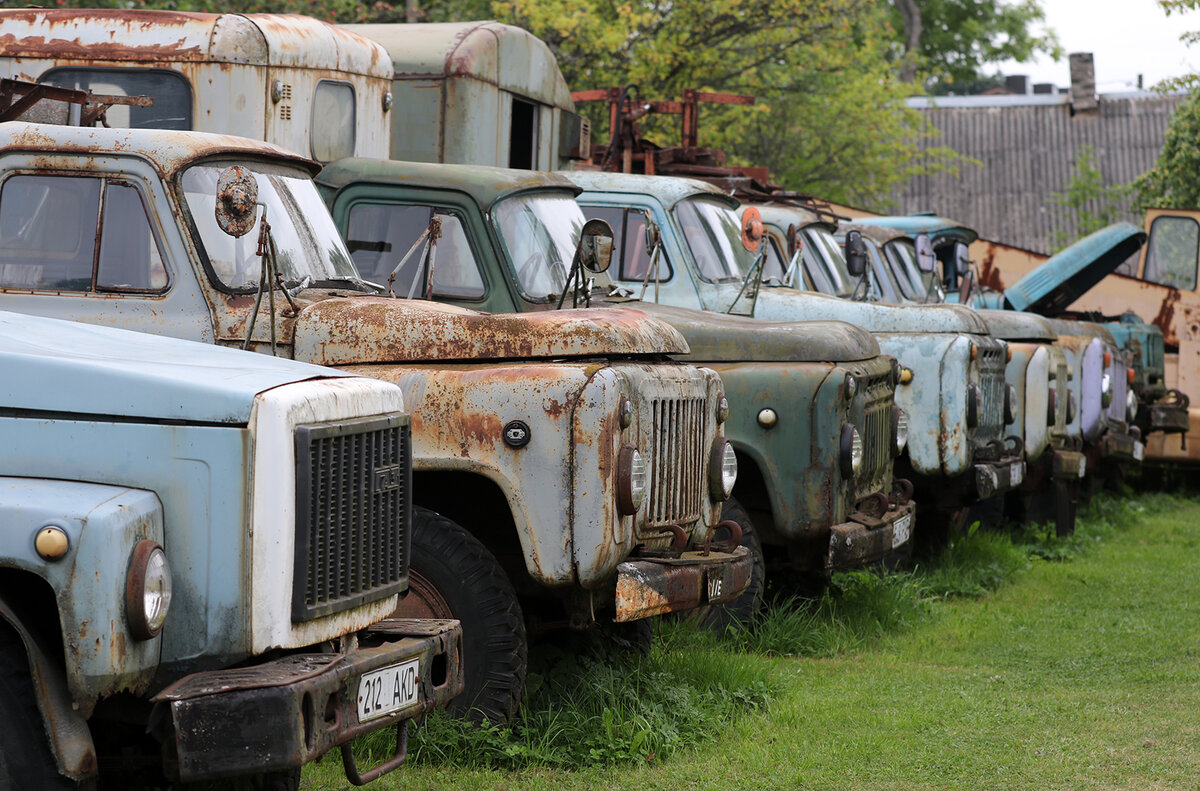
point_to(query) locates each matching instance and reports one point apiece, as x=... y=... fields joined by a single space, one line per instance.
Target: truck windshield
x=306 y=239
x=540 y=233
x=916 y=285
x=825 y=264
x=714 y=237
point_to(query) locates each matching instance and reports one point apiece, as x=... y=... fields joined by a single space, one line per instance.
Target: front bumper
x=996 y=476
x=1169 y=417
x=282 y=714
x=1068 y=465
x=1121 y=447
x=868 y=539
x=653 y=586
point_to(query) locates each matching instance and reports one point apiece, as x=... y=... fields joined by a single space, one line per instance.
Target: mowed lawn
x=1077 y=674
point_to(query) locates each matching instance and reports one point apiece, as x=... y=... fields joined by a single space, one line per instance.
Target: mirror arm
x=790 y=272
x=754 y=273
x=651 y=269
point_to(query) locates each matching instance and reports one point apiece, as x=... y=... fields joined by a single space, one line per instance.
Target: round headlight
x=632 y=479
x=851 y=451
x=1106 y=393
x=722 y=470
x=901 y=430
x=1010 y=404
x=723 y=410
x=147 y=590
x=1131 y=406
x=972 y=405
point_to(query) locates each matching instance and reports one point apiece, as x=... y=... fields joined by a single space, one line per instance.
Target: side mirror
x=795 y=241
x=856 y=253
x=653 y=235
x=926 y=258
x=237 y=196
x=752 y=229
x=595 y=246
x=962 y=260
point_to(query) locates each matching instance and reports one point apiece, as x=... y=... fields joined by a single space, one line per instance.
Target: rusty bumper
x=1121 y=447
x=653 y=586
x=1170 y=417
x=1068 y=465
x=867 y=539
x=997 y=476
x=282 y=714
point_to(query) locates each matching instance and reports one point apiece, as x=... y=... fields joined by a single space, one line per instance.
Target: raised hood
x=342 y=331
x=62 y=366
x=785 y=304
x=1011 y=325
x=1066 y=276
x=720 y=337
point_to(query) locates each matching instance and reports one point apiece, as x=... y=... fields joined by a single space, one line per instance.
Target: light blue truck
x=199 y=551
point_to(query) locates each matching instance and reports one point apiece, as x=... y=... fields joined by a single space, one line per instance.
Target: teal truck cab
x=952 y=380
x=176 y=525
x=576 y=473
x=811 y=414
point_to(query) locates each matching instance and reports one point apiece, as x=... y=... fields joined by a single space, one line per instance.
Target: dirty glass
x=824 y=263
x=629 y=240
x=775 y=268
x=172 y=94
x=921 y=286
x=714 y=236
x=307 y=242
x=48 y=232
x=881 y=281
x=129 y=256
x=1172 y=252
x=540 y=233
x=333 y=121
x=380 y=236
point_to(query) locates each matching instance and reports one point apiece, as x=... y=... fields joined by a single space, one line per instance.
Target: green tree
x=952 y=43
x=1090 y=202
x=1173 y=180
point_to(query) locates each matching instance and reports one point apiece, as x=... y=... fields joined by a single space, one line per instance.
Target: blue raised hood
x=51 y=365
x=1064 y=277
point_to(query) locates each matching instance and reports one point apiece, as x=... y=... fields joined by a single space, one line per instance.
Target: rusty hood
x=721 y=337
x=345 y=330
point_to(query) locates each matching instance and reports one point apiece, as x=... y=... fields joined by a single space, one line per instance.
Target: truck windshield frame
x=713 y=236
x=539 y=234
x=826 y=264
x=308 y=244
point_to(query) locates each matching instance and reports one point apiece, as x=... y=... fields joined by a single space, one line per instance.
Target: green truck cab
x=811 y=411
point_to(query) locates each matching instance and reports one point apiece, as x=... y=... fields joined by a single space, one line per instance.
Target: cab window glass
x=629 y=242
x=776 y=265
x=380 y=236
x=49 y=236
x=172 y=94
x=333 y=121
x=1172 y=252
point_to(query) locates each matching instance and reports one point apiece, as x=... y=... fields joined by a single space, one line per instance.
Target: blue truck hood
x=1067 y=275
x=1011 y=325
x=51 y=365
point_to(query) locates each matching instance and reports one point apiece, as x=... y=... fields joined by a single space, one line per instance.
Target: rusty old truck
x=811 y=411
x=583 y=470
x=176 y=524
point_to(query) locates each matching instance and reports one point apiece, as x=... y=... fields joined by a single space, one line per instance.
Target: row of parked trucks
x=301 y=432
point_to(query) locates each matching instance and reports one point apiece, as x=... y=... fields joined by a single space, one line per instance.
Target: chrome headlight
x=851 y=386
x=722 y=470
x=1010 y=404
x=148 y=590
x=632 y=477
x=1106 y=392
x=851 y=451
x=901 y=435
x=1131 y=406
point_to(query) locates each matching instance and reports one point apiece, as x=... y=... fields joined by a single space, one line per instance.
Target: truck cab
x=172 y=560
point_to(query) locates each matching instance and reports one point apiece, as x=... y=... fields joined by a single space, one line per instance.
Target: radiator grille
x=1062 y=391
x=876 y=433
x=991 y=392
x=678 y=462
x=353 y=513
x=1120 y=383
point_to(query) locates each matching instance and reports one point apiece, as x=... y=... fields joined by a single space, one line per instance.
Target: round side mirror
x=962 y=259
x=595 y=246
x=237 y=196
x=795 y=241
x=752 y=229
x=856 y=253
x=926 y=258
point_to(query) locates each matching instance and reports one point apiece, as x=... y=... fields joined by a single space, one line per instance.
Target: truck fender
x=66 y=729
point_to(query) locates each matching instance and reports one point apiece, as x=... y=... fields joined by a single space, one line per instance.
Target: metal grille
x=353 y=513
x=1119 y=383
x=876 y=433
x=991 y=392
x=1062 y=391
x=678 y=461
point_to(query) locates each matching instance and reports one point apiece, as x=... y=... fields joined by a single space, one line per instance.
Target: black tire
x=25 y=758
x=742 y=610
x=453 y=575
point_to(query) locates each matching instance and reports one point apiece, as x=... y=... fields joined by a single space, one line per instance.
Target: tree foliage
x=952 y=43
x=1091 y=203
x=1173 y=180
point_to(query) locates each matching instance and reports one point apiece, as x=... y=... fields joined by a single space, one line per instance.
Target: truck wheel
x=742 y=610
x=453 y=575
x=25 y=757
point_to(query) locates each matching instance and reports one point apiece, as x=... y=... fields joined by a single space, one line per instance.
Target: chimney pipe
x=1083 y=83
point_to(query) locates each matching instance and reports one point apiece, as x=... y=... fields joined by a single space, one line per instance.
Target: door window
x=1172 y=252
x=629 y=242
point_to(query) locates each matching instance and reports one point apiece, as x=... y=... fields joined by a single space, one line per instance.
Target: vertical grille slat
x=877 y=396
x=992 y=393
x=353 y=513
x=678 y=462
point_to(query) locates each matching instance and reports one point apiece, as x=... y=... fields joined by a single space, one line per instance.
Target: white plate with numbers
x=901 y=530
x=388 y=689
x=1016 y=472
x=1139 y=451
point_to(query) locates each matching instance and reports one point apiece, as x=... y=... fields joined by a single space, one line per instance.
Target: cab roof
x=484 y=185
x=670 y=190
x=934 y=227
x=782 y=215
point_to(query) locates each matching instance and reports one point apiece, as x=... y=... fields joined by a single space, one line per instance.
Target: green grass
x=1005 y=663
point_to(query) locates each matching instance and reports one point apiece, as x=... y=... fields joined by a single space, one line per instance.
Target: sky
x=1127 y=37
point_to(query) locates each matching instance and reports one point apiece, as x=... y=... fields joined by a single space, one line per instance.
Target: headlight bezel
x=633 y=472
x=149 y=575
x=851 y=451
x=722 y=470
x=899 y=430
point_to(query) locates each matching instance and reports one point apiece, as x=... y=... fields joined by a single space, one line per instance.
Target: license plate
x=1139 y=451
x=1016 y=471
x=901 y=530
x=381 y=692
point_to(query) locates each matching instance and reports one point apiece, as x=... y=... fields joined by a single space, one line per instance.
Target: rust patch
x=989 y=273
x=1165 y=319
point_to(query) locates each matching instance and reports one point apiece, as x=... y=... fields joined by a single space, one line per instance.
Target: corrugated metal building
x=1027 y=147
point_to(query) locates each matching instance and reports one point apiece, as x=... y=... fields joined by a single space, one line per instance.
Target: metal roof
x=485 y=185
x=783 y=215
x=935 y=227
x=668 y=189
